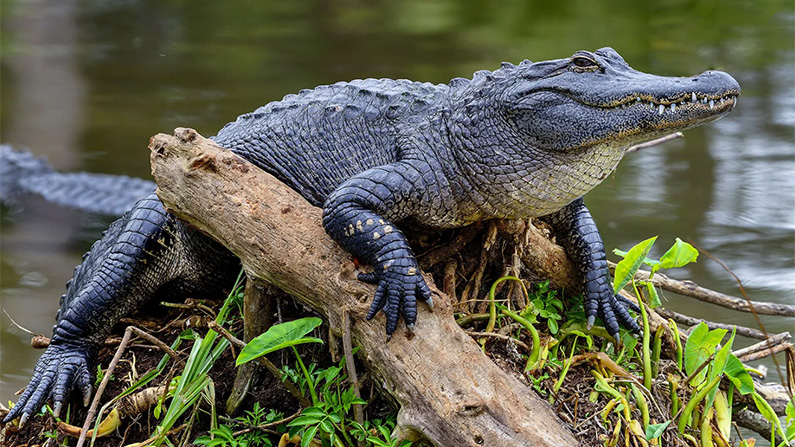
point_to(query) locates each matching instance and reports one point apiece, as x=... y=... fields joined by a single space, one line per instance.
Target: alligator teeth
x=661 y=109
x=673 y=107
x=693 y=97
x=703 y=100
x=711 y=104
x=637 y=99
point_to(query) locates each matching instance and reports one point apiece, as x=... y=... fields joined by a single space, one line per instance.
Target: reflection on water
x=87 y=83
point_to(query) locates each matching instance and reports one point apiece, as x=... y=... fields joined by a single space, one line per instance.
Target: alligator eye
x=584 y=62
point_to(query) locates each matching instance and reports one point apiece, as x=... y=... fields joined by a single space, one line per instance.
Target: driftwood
x=449 y=391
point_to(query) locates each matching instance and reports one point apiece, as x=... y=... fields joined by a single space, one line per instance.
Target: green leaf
x=308 y=435
x=767 y=411
x=653 y=263
x=699 y=347
x=625 y=270
x=654 y=298
x=655 y=430
x=679 y=255
x=789 y=419
x=736 y=372
x=313 y=411
x=304 y=420
x=553 y=326
x=280 y=336
x=718 y=366
x=327 y=426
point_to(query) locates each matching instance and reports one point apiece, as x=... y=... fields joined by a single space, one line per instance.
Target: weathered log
x=449 y=391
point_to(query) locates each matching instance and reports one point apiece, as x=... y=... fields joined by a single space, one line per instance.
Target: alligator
x=526 y=140
x=22 y=173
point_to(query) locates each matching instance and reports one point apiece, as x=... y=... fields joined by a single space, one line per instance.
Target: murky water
x=88 y=82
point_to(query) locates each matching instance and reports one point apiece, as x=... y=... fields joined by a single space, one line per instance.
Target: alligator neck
x=503 y=177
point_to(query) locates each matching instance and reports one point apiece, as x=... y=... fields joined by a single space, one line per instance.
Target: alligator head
x=550 y=131
x=593 y=98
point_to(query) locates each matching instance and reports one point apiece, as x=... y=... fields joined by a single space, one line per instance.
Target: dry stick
x=262 y=361
x=655 y=142
x=693 y=290
x=347 y=348
x=766 y=352
x=519 y=343
x=772 y=341
x=692 y=321
x=92 y=411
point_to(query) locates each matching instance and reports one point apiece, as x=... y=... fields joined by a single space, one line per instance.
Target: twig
x=156 y=341
x=92 y=411
x=700 y=367
x=347 y=348
x=767 y=352
x=692 y=321
x=693 y=290
x=262 y=361
x=520 y=343
x=20 y=326
x=767 y=344
x=651 y=143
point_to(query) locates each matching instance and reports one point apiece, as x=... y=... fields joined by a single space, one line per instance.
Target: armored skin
x=523 y=141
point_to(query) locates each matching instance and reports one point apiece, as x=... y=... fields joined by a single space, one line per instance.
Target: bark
x=450 y=392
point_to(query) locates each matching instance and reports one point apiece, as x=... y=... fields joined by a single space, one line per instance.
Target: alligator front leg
x=359 y=215
x=576 y=231
x=144 y=253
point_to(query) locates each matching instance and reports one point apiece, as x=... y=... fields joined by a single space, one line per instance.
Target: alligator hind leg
x=146 y=252
x=576 y=231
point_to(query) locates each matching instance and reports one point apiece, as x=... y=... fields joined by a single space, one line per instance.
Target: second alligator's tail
x=23 y=173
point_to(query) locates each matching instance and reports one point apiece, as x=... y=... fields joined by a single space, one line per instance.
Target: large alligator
x=522 y=141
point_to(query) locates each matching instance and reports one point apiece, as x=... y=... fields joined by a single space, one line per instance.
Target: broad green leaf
x=736 y=372
x=679 y=255
x=653 y=263
x=700 y=345
x=280 y=336
x=625 y=270
x=655 y=430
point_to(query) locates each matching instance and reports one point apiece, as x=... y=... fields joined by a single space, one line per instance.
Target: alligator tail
x=23 y=173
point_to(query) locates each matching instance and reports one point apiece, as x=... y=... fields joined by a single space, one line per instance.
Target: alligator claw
x=399 y=287
x=61 y=367
x=601 y=301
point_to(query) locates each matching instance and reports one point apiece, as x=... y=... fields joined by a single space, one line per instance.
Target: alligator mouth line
x=699 y=100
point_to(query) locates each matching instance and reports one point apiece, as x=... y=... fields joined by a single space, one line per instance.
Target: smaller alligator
x=522 y=141
x=112 y=195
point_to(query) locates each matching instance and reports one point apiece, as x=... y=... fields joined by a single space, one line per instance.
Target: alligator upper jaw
x=686 y=102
